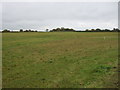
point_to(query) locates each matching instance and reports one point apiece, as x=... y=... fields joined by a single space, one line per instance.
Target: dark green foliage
x=101 y=30
x=21 y=30
x=30 y=30
x=26 y=31
x=46 y=30
x=116 y=30
x=97 y=30
x=62 y=29
x=6 y=30
x=102 y=69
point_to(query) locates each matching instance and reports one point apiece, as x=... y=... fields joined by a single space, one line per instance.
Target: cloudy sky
x=49 y=15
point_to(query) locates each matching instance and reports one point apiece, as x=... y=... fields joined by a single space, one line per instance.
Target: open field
x=60 y=60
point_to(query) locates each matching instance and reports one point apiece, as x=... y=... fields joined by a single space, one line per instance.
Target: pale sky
x=49 y=15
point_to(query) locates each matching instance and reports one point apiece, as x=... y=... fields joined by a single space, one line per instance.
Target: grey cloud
x=77 y=15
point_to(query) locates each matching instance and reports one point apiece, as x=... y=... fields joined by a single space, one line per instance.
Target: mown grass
x=60 y=60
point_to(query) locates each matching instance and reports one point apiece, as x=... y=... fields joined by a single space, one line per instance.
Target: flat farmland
x=60 y=60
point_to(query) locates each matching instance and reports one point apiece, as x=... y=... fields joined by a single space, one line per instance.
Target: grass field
x=60 y=60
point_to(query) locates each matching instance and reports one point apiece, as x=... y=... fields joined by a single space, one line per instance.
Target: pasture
x=60 y=60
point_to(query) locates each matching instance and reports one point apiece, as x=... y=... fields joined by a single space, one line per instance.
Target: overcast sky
x=49 y=15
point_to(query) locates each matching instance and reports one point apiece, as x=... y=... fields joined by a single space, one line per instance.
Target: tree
x=115 y=30
x=107 y=30
x=98 y=30
x=62 y=29
x=92 y=30
x=29 y=30
x=5 y=30
x=87 y=30
x=21 y=30
x=47 y=30
x=26 y=31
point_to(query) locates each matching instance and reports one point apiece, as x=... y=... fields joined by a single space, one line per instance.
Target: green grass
x=60 y=60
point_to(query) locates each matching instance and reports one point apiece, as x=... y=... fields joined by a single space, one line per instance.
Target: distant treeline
x=62 y=29
x=21 y=30
x=87 y=30
x=100 y=30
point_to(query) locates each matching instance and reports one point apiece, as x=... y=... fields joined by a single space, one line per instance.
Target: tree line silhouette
x=62 y=29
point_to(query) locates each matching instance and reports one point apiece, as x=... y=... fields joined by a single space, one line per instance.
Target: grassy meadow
x=60 y=60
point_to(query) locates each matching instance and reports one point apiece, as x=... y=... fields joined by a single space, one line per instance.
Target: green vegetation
x=60 y=60
x=62 y=29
